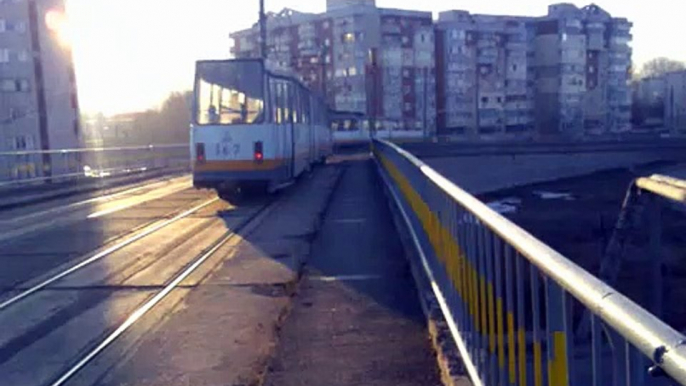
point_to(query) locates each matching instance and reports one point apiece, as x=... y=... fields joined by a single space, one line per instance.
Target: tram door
x=282 y=118
x=290 y=127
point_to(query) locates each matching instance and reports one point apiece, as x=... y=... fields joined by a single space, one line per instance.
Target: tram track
x=100 y=255
x=152 y=302
x=154 y=293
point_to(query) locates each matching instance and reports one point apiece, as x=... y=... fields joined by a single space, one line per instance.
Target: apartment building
x=582 y=62
x=379 y=62
x=675 y=102
x=565 y=73
x=38 y=98
x=485 y=80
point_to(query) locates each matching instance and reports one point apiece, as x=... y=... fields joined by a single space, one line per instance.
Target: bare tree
x=661 y=66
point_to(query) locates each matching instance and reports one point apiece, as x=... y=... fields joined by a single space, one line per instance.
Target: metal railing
x=512 y=303
x=34 y=167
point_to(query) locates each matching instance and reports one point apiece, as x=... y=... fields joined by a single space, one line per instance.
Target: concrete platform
x=356 y=319
x=221 y=327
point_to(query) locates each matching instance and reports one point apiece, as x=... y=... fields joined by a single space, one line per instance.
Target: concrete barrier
x=483 y=168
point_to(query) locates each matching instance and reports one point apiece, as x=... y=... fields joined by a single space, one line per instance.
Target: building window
x=325 y=25
x=23 y=56
x=4 y=55
x=23 y=85
x=406 y=73
x=20 y=27
x=591 y=69
x=349 y=37
x=484 y=100
x=8 y=85
x=405 y=40
x=3 y=25
x=327 y=59
x=352 y=71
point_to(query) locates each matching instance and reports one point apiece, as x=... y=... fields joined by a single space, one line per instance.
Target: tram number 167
x=228 y=149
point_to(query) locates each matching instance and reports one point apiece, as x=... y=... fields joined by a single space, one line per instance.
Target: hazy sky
x=130 y=54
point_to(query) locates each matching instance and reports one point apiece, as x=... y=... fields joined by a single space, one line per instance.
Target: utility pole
x=322 y=60
x=426 y=100
x=263 y=31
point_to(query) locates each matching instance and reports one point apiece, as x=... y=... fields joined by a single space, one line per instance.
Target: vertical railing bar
x=498 y=256
x=596 y=351
x=521 y=319
x=635 y=367
x=510 y=309
x=627 y=359
x=558 y=333
x=462 y=228
x=536 y=326
x=474 y=293
x=483 y=304
x=569 y=332
x=488 y=237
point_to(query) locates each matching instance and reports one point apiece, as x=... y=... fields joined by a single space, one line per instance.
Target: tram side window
x=229 y=94
x=306 y=105
x=277 y=100
x=288 y=101
x=297 y=100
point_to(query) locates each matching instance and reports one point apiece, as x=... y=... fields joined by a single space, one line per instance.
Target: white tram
x=253 y=128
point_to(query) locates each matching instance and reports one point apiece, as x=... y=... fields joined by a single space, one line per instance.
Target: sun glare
x=58 y=23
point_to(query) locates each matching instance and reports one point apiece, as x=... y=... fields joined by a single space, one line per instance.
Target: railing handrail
x=95 y=149
x=650 y=335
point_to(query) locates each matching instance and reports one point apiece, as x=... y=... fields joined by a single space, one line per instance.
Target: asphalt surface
x=356 y=319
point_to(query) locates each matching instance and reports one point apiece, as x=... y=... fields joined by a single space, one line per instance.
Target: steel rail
x=26 y=293
x=152 y=302
x=651 y=336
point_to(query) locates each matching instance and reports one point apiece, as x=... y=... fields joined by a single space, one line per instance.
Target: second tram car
x=252 y=127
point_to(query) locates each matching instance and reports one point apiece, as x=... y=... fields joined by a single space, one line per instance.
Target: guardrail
x=26 y=167
x=510 y=300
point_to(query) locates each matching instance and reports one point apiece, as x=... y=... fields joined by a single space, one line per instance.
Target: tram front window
x=229 y=93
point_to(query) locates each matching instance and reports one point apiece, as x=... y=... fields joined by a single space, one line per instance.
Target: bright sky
x=130 y=54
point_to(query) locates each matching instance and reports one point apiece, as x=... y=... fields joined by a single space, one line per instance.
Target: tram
x=253 y=128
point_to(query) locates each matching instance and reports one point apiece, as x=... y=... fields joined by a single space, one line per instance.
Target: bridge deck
x=357 y=319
